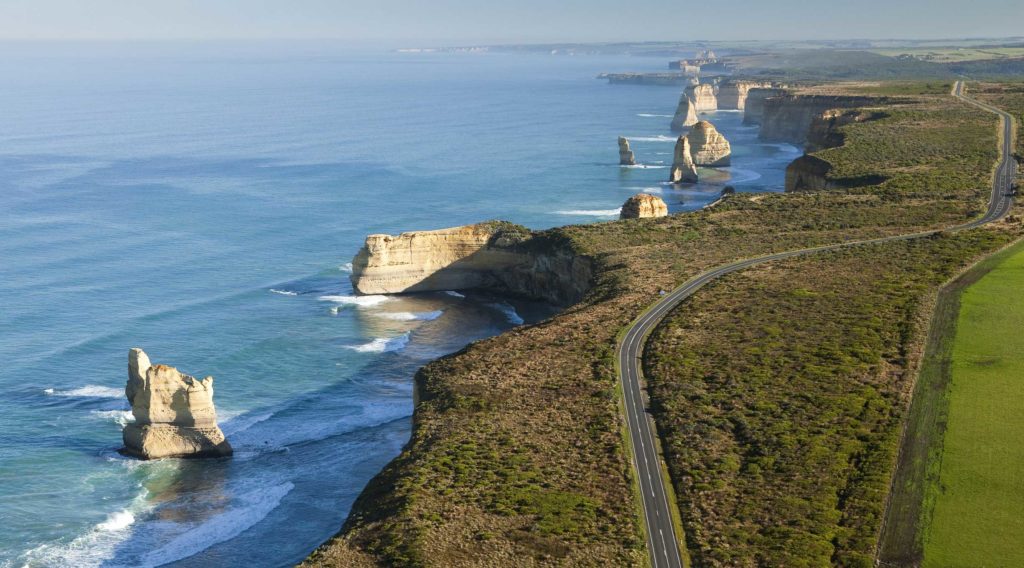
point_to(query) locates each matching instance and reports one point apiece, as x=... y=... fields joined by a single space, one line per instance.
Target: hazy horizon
x=399 y=23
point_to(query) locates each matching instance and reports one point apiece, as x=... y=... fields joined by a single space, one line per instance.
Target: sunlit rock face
x=683 y=169
x=707 y=145
x=626 y=157
x=643 y=205
x=174 y=413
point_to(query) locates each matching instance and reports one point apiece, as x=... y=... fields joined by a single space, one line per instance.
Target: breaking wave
x=510 y=312
x=649 y=115
x=454 y=294
x=284 y=292
x=591 y=212
x=411 y=316
x=362 y=301
x=658 y=138
x=382 y=344
x=89 y=391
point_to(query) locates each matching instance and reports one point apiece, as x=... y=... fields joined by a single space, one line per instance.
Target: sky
x=422 y=23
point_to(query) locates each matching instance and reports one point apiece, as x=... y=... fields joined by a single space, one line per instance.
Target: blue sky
x=421 y=22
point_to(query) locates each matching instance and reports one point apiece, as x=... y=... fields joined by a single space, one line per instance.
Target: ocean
x=204 y=202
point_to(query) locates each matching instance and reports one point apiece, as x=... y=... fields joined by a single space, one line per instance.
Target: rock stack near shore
x=174 y=413
x=643 y=205
x=686 y=114
x=703 y=97
x=626 y=157
x=683 y=169
x=707 y=145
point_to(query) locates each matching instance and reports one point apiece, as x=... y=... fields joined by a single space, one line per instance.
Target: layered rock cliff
x=496 y=256
x=788 y=118
x=732 y=95
x=703 y=97
x=683 y=169
x=626 y=157
x=643 y=205
x=174 y=413
x=825 y=130
x=686 y=113
x=707 y=145
x=753 y=109
x=808 y=173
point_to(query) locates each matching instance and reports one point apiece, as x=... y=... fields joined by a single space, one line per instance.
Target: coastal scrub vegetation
x=517 y=455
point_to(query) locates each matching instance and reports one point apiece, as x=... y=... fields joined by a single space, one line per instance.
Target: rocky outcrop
x=626 y=157
x=643 y=205
x=683 y=169
x=174 y=413
x=686 y=113
x=707 y=145
x=495 y=256
x=808 y=173
x=788 y=118
x=753 y=109
x=703 y=97
x=732 y=95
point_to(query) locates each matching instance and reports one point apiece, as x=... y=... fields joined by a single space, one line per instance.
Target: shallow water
x=203 y=203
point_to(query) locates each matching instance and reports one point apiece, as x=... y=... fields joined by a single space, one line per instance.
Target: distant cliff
x=495 y=256
x=812 y=173
x=753 y=108
x=788 y=118
x=732 y=95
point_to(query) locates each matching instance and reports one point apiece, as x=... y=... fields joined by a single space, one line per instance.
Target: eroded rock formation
x=808 y=173
x=683 y=169
x=826 y=128
x=174 y=413
x=494 y=255
x=626 y=157
x=707 y=145
x=643 y=205
x=686 y=113
x=732 y=95
x=703 y=97
x=753 y=109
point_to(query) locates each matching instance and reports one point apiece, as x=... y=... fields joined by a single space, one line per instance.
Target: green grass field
x=979 y=499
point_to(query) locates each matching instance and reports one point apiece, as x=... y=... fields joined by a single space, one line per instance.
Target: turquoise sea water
x=202 y=202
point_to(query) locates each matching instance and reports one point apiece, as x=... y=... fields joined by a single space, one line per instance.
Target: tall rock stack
x=707 y=146
x=686 y=113
x=174 y=413
x=643 y=205
x=703 y=97
x=626 y=157
x=683 y=169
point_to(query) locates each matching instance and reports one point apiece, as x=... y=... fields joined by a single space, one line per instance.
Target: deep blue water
x=201 y=203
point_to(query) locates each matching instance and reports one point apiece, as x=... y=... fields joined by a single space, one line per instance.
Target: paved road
x=662 y=543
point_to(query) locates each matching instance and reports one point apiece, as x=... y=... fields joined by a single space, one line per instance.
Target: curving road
x=662 y=541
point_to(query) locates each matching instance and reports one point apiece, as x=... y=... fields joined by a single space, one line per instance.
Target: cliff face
x=732 y=95
x=808 y=173
x=788 y=118
x=626 y=157
x=753 y=109
x=824 y=131
x=703 y=97
x=643 y=205
x=495 y=256
x=686 y=113
x=683 y=169
x=707 y=146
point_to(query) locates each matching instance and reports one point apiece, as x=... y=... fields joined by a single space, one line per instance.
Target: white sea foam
x=658 y=138
x=254 y=507
x=646 y=167
x=89 y=391
x=591 y=212
x=362 y=301
x=347 y=267
x=510 y=312
x=382 y=344
x=649 y=115
x=284 y=292
x=454 y=294
x=120 y=417
x=411 y=316
x=117 y=521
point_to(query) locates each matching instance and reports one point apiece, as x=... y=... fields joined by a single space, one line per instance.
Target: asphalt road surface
x=662 y=542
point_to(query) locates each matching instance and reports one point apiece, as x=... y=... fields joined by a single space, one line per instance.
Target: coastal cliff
x=825 y=130
x=497 y=256
x=732 y=95
x=808 y=173
x=788 y=118
x=703 y=97
x=753 y=108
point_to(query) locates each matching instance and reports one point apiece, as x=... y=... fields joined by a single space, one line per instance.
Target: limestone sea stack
x=626 y=157
x=703 y=97
x=643 y=205
x=707 y=145
x=686 y=114
x=174 y=413
x=683 y=169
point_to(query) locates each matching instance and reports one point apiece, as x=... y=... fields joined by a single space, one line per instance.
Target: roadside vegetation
x=518 y=458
